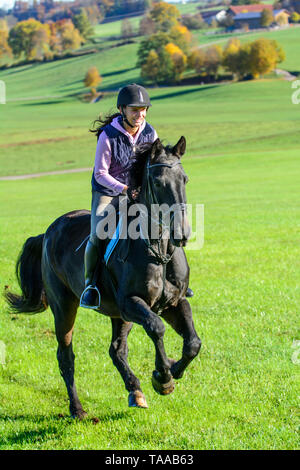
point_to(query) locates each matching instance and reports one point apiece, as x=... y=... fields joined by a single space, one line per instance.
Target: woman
x=117 y=138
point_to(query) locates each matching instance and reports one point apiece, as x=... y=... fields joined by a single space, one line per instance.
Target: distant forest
x=97 y=10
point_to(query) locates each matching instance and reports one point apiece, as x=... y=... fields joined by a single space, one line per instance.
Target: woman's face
x=135 y=115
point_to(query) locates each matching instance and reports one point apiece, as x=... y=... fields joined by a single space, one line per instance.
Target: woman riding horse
x=118 y=136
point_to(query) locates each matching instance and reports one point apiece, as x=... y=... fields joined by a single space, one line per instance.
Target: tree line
x=32 y=40
x=165 y=55
x=97 y=10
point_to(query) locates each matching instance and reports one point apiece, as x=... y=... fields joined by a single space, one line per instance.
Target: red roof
x=250 y=8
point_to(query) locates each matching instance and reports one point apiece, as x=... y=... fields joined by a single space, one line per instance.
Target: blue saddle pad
x=114 y=241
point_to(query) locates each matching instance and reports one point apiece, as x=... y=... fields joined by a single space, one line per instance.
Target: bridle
x=151 y=198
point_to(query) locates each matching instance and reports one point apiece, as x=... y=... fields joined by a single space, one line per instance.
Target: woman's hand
x=125 y=189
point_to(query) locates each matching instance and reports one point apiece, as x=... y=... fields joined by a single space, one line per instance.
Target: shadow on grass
x=177 y=93
x=42 y=103
x=118 y=72
x=43 y=428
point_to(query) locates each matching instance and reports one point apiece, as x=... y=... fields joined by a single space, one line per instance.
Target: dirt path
x=285 y=74
x=46 y=173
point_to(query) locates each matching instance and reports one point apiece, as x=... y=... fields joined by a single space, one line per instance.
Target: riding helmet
x=133 y=95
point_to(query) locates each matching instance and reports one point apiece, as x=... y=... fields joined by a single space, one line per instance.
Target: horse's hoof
x=162 y=388
x=79 y=414
x=175 y=374
x=137 y=399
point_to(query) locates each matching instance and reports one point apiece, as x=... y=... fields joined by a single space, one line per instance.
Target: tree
x=179 y=60
x=213 y=60
x=155 y=42
x=92 y=79
x=150 y=69
x=295 y=17
x=29 y=37
x=266 y=18
x=181 y=36
x=164 y=16
x=193 y=21
x=5 y=50
x=147 y=26
x=165 y=65
x=69 y=37
x=231 y=59
x=196 y=60
x=126 y=29
x=264 y=57
x=82 y=23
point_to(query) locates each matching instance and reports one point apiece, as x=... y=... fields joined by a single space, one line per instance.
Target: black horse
x=144 y=279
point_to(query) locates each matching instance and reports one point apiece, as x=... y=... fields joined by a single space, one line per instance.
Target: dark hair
x=139 y=162
x=102 y=122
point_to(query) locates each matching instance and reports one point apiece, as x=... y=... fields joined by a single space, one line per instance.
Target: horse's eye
x=157 y=184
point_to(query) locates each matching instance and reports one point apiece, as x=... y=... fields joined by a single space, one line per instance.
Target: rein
x=152 y=199
x=160 y=257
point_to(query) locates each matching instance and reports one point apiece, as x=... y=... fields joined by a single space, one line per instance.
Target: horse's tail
x=29 y=275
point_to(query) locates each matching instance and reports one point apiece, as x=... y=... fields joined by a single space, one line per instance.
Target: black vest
x=122 y=152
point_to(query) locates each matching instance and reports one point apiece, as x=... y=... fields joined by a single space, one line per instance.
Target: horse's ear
x=156 y=149
x=180 y=147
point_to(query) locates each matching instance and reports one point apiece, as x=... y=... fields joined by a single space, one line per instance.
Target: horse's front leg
x=118 y=352
x=134 y=309
x=181 y=319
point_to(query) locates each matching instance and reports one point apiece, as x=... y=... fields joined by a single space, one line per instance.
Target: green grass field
x=243 y=164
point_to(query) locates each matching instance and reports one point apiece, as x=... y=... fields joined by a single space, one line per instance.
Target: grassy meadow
x=242 y=159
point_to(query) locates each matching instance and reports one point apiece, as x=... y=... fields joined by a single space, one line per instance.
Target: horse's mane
x=138 y=166
x=140 y=159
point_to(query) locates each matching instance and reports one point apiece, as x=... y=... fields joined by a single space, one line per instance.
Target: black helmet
x=133 y=95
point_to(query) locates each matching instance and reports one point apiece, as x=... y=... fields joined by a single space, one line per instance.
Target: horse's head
x=163 y=187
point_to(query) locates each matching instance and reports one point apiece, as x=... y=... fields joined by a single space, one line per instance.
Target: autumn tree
x=264 y=56
x=213 y=60
x=231 y=59
x=181 y=36
x=266 y=18
x=68 y=36
x=196 y=60
x=179 y=60
x=154 y=42
x=295 y=17
x=29 y=37
x=92 y=79
x=150 y=69
x=164 y=15
x=5 y=50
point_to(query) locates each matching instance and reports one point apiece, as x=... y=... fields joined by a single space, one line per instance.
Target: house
x=254 y=8
x=250 y=15
x=210 y=15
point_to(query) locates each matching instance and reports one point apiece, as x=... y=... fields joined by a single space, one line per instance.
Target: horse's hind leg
x=181 y=319
x=118 y=352
x=64 y=306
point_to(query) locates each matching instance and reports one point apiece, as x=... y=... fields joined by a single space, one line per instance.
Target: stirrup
x=90 y=287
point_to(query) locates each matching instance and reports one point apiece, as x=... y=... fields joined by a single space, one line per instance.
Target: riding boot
x=189 y=292
x=90 y=298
